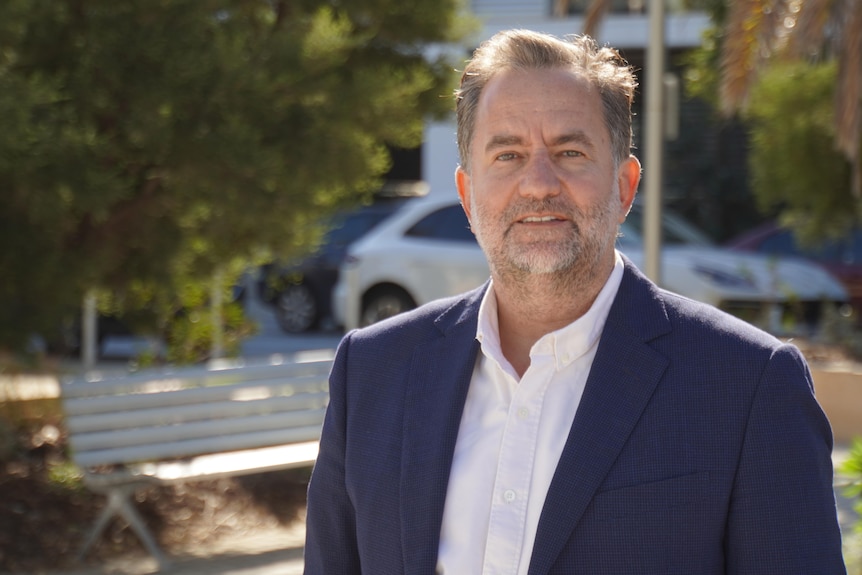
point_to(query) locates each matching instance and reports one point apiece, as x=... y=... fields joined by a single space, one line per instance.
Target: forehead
x=555 y=98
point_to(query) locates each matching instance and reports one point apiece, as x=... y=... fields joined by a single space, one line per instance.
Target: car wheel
x=296 y=308
x=383 y=303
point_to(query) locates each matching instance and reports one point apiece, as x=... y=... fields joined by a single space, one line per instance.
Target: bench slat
x=132 y=401
x=117 y=420
x=199 y=446
x=258 y=460
x=213 y=430
x=148 y=382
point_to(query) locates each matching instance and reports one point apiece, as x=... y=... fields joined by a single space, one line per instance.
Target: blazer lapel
x=622 y=379
x=439 y=379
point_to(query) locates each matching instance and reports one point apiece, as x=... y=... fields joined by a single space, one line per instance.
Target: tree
x=752 y=36
x=794 y=165
x=147 y=143
x=813 y=30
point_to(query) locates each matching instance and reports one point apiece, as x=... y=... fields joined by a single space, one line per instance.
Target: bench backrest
x=194 y=411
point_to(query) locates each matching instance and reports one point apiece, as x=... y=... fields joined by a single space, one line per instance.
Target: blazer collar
x=439 y=378
x=622 y=379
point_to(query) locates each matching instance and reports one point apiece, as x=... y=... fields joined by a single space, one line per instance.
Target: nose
x=539 y=178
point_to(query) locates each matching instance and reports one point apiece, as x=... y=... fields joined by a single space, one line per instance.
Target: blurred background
x=190 y=181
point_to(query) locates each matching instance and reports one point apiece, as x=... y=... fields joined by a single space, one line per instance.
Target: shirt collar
x=567 y=343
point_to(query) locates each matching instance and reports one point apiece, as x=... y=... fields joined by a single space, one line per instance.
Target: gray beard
x=565 y=268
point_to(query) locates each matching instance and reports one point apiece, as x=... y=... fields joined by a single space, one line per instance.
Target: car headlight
x=723 y=278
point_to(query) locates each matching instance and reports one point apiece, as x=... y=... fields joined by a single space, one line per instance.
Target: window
x=580 y=7
x=617 y=6
x=674 y=229
x=784 y=243
x=348 y=227
x=448 y=223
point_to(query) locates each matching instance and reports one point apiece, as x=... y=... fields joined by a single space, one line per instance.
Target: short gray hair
x=603 y=67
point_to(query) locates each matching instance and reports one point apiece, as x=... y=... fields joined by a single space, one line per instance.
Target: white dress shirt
x=510 y=439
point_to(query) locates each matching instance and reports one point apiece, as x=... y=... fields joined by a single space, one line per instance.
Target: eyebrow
x=503 y=140
x=577 y=137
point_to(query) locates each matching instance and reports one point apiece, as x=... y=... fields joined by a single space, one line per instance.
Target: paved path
x=269 y=552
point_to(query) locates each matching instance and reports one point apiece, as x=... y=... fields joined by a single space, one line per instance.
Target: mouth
x=540 y=219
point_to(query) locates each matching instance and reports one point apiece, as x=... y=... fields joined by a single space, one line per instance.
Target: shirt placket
x=514 y=470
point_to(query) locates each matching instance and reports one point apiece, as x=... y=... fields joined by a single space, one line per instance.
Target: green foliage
x=852 y=470
x=66 y=476
x=703 y=64
x=795 y=167
x=852 y=467
x=796 y=172
x=702 y=68
x=144 y=136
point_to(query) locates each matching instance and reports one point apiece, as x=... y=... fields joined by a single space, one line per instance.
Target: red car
x=842 y=256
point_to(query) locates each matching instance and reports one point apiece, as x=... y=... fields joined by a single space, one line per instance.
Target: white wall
x=619 y=30
x=498 y=9
x=440 y=157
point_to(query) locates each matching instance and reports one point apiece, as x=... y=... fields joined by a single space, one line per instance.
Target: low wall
x=839 y=391
x=838 y=387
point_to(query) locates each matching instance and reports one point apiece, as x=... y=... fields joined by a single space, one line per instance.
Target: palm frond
x=754 y=31
x=848 y=93
x=561 y=8
x=809 y=29
x=595 y=14
x=739 y=58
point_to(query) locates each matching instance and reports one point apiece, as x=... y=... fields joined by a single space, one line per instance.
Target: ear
x=628 y=178
x=463 y=184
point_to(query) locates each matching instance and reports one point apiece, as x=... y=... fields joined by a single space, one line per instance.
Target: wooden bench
x=198 y=423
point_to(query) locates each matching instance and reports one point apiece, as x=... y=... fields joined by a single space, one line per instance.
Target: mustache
x=556 y=205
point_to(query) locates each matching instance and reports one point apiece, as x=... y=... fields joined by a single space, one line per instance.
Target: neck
x=531 y=306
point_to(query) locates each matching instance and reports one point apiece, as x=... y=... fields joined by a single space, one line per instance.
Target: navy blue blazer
x=698 y=448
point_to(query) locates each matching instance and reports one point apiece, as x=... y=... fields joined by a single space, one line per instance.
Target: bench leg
x=97 y=529
x=119 y=504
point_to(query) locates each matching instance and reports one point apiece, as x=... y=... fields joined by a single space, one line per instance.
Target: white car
x=427 y=251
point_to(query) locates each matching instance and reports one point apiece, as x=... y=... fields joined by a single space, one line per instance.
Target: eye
x=572 y=154
x=506 y=156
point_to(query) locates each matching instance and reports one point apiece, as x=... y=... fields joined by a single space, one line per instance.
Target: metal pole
x=89 y=335
x=217 y=348
x=654 y=141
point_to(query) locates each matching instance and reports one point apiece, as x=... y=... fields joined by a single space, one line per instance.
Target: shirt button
x=508 y=496
x=523 y=413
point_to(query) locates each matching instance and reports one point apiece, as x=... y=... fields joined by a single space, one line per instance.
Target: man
x=569 y=416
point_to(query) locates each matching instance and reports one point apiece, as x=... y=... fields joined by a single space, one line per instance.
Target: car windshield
x=675 y=230
x=350 y=226
x=846 y=250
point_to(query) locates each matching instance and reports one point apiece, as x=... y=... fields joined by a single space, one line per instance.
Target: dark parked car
x=841 y=256
x=301 y=291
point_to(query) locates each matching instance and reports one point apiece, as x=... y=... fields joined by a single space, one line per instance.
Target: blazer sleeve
x=782 y=517
x=331 y=545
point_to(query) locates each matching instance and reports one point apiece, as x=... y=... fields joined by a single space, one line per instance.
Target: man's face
x=543 y=194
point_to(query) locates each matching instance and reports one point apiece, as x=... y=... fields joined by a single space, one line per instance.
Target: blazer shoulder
x=658 y=314
x=690 y=316
x=428 y=322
